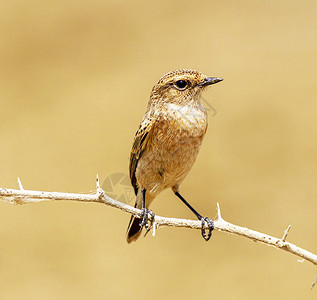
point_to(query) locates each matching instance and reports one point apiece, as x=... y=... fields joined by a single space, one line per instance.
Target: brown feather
x=141 y=139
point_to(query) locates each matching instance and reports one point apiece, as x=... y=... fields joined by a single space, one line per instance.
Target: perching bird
x=167 y=142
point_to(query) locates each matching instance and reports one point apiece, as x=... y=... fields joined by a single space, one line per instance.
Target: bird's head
x=181 y=86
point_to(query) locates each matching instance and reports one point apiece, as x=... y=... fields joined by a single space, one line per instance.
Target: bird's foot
x=210 y=225
x=145 y=223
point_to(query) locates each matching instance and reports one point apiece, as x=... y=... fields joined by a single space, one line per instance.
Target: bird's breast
x=173 y=147
x=190 y=120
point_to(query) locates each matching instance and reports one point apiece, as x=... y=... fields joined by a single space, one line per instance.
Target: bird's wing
x=141 y=139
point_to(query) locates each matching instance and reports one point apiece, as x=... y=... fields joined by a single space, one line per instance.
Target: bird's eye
x=181 y=84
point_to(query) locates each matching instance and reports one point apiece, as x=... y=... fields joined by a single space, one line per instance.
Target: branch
x=27 y=196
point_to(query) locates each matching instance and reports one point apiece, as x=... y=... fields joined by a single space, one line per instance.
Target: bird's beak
x=210 y=80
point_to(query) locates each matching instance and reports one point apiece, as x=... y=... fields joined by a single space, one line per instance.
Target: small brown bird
x=167 y=142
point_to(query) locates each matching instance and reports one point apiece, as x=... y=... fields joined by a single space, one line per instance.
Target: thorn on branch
x=100 y=192
x=20 y=184
x=282 y=242
x=286 y=233
x=314 y=283
x=219 y=218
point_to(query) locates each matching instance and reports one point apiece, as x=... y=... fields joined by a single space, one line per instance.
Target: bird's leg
x=203 y=220
x=145 y=213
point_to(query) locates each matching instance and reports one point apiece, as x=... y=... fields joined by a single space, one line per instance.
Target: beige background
x=75 y=78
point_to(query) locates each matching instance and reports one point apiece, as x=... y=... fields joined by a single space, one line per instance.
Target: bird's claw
x=145 y=223
x=210 y=225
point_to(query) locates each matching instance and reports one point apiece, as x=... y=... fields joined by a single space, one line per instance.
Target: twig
x=27 y=196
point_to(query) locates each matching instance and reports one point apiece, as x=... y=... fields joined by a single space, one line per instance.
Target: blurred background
x=75 y=79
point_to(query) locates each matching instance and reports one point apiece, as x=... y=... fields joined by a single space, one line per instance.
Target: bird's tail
x=134 y=229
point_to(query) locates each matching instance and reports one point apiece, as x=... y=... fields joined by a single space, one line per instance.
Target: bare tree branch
x=27 y=196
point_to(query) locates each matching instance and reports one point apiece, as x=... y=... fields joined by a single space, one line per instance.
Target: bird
x=167 y=143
